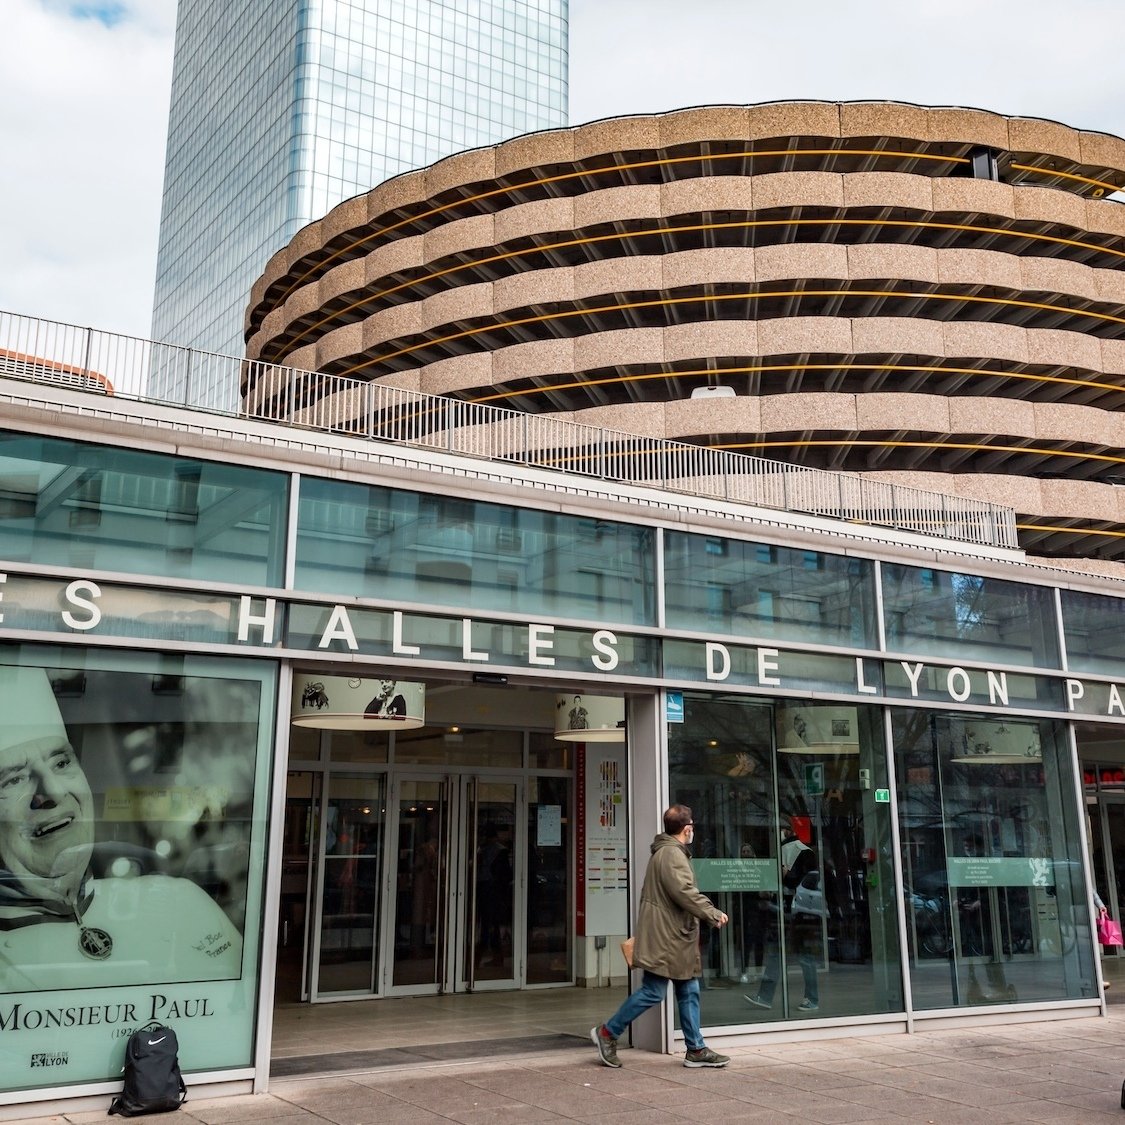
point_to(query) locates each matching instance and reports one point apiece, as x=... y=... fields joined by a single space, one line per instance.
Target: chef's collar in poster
x=133 y=799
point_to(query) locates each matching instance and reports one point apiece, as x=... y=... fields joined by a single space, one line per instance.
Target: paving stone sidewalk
x=1060 y=1071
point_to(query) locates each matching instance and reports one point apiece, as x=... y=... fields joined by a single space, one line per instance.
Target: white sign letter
x=913 y=674
x=467 y=641
x=1075 y=690
x=397 y=646
x=861 y=683
x=605 y=657
x=766 y=664
x=1114 y=701
x=73 y=595
x=246 y=619
x=722 y=669
x=540 y=637
x=998 y=687
x=339 y=628
x=966 y=688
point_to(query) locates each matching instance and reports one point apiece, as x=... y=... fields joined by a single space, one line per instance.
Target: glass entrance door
x=492 y=944
x=302 y=807
x=422 y=826
x=1109 y=865
x=346 y=953
x=456 y=924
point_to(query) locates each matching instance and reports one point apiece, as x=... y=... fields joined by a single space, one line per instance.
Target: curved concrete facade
x=934 y=296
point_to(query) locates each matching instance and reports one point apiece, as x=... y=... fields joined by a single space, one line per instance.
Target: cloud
x=86 y=108
x=1029 y=57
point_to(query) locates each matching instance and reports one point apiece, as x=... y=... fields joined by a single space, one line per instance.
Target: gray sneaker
x=705 y=1057
x=606 y=1045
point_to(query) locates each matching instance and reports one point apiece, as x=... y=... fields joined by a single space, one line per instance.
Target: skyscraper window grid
x=286 y=107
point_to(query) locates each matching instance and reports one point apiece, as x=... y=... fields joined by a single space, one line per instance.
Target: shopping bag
x=1109 y=931
x=627 y=950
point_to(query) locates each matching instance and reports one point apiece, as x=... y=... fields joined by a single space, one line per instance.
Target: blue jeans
x=806 y=950
x=653 y=989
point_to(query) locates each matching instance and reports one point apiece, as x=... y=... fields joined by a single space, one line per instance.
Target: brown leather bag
x=627 y=950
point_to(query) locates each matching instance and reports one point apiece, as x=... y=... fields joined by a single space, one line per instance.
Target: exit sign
x=882 y=796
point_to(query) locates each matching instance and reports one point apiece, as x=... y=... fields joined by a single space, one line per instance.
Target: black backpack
x=153 y=1083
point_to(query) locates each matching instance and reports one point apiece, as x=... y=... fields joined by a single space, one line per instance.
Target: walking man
x=667 y=943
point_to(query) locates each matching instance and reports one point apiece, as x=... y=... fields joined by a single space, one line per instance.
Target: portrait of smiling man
x=59 y=925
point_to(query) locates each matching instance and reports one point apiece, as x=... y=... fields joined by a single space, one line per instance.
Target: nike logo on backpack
x=153 y=1042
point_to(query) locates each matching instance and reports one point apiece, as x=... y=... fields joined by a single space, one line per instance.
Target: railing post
x=187 y=376
x=86 y=355
x=895 y=521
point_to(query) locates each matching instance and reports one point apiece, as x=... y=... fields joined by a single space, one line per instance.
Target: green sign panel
x=735 y=874
x=814 y=779
x=882 y=796
x=1000 y=871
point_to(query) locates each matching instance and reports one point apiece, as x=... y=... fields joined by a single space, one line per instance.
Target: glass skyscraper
x=283 y=108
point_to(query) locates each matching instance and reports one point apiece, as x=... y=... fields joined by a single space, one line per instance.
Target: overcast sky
x=84 y=100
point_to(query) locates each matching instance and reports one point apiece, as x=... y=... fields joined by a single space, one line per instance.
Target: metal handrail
x=107 y=363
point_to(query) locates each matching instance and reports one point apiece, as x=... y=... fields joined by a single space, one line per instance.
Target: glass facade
x=969 y=617
x=412 y=547
x=1095 y=632
x=791 y=846
x=764 y=590
x=996 y=905
x=283 y=108
x=889 y=831
x=74 y=504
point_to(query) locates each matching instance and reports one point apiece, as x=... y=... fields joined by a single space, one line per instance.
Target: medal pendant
x=95 y=943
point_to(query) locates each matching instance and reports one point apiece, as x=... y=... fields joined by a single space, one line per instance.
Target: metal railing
x=128 y=367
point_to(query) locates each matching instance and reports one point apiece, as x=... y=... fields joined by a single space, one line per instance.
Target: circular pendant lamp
x=999 y=744
x=589 y=718
x=342 y=703
x=817 y=728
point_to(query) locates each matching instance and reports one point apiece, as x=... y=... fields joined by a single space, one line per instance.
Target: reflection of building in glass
x=281 y=109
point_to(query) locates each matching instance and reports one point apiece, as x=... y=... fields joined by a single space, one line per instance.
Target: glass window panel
x=420 y=908
x=462 y=747
x=72 y=504
x=791 y=846
x=760 y=590
x=996 y=906
x=1094 y=628
x=304 y=744
x=969 y=617
x=549 y=903
x=441 y=550
x=358 y=746
x=353 y=834
x=547 y=753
